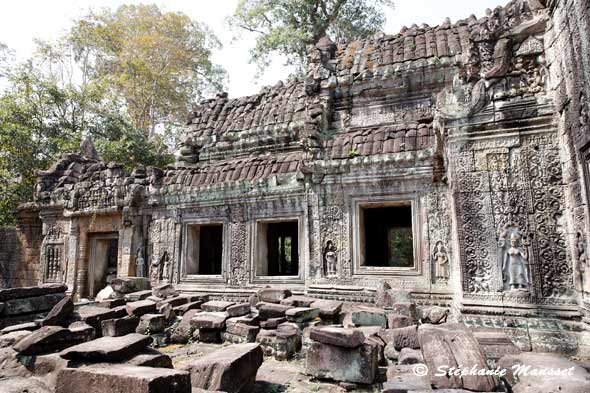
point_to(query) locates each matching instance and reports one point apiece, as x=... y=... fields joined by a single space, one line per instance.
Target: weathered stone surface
x=23 y=385
x=105 y=294
x=209 y=320
x=366 y=316
x=216 y=305
x=183 y=330
x=210 y=336
x=272 y=323
x=357 y=365
x=108 y=349
x=86 y=331
x=396 y=321
x=111 y=303
x=410 y=356
x=95 y=315
x=238 y=310
x=495 y=344
x=298 y=301
x=248 y=332
x=433 y=314
x=46 y=340
x=232 y=369
x=119 y=326
x=24 y=292
x=167 y=311
x=8 y=339
x=408 y=309
x=337 y=336
x=150 y=358
x=453 y=345
x=174 y=301
x=302 y=314
x=196 y=305
x=273 y=295
x=137 y=296
x=386 y=297
x=328 y=308
x=403 y=379
x=402 y=337
x=271 y=310
x=164 y=291
x=151 y=323
x=31 y=305
x=140 y=308
x=22 y=326
x=59 y=314
x=281 y=343
x=127 y=285
x=123 y=378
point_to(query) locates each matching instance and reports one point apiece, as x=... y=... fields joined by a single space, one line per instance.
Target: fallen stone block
x=298 y=301
x=119 y=326
x=8 y=339
x=408 y=309
x=174 y=301
x=329 y=309
x=238 y=310
x=107 y=293
x=183 y=331
x=272 y=295
x=23 y=385
x=167 y=311
x=280 y=344
x=46 y=340
x=59 y=314
x=271 y=310
x=250 y=319
x=30 y=305
x=164 y=291
x=23 y=292
x=127 y=285
x=151 y=323
x=216 y=305
x=366 y=316
x=410 y=356
x=232 y=369
x=129 y=379
x=337 y=336
x=246 y=333
x=396 y=321
x=495 y=344
x=453 y=345
x=433 y=314
x=402 y=337
x=196 y=305
x=85 y=331
x=108 y=349
x=356 y=365
x=210 y=336
x=209 y=320
x=302 y=314
x=140 y=308
x=111 y=303
x=150 y=358
x=272 y=323
x=95 y=315
x=137 y=296
x=404 y=379
x=21 y=326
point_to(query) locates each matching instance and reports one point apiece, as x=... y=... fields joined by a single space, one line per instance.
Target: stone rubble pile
x=21 y=305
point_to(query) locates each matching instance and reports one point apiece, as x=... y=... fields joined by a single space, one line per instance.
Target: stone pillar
x=29 y=235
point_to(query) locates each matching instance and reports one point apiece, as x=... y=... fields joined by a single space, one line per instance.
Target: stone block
x=209 y=320
x=127 y=285
x=140 y=308
x=366 y=316
x=183 y=330
x=433 y=314
x=24 y=292
x=495 y=344
x=46 y=340
x=137 y=296
x=151 y=323
x=302 y=314
x=111 y=303
x=410 y=356
x=196 y=305
x=272 y=295
x=8 y=339
x=210 y=336
x=174 y=301
x=232 y=369
x=329 y=309
x=271 y=310
x=272 y=323
x=164 y=291
x=298 y=301
x=119 y=326
x=108 y=349
x=167 y=311
x=95 y=315
x=21 y=326
x=238 y=310
x=23 y=385
x=216 y=305
x=30 y=305
x=123 y=378
x=356 y=365
x=403 y=379
x=59 y=314
x=396 y=321
x=248 y=332
x=337 y=336
x=282 y=344
x=150 y=358
x=83 y=329
x=402 y=337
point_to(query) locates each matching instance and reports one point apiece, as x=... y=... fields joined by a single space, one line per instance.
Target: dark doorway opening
x=278 y=248
x=387 y=236
x=103 y=260
x=205 y=249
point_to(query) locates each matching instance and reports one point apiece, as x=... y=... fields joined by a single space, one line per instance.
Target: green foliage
x=288 y=26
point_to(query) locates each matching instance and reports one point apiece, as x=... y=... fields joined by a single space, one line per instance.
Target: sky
x=21 y=21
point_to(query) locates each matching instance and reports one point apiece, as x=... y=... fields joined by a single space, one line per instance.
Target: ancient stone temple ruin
x=448 y=162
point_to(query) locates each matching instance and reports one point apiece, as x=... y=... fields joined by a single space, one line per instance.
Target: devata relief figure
x=330 y=259
x=165 y=263
x=139 y=264
x=441 y=262
x=156 y=267
x=515 y=261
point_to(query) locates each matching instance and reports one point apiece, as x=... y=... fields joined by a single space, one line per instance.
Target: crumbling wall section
x=9 y=256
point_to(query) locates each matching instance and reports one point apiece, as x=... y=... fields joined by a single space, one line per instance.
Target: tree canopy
x=287 y=26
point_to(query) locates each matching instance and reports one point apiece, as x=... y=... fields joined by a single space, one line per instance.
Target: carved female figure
x=139 y=263
x=441 y=262
x=515 y=263
x=165 y=262
x=330 y=258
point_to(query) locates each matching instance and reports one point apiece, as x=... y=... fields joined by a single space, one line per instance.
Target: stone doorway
x=102 y=264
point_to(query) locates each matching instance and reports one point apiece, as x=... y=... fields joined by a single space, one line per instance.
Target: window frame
x=225 y=252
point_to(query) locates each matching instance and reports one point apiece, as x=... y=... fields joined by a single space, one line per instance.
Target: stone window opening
x=205 y=249
x=387 y=236
x=278 y=248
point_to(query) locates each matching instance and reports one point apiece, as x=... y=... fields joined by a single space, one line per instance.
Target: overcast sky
x=23 y=20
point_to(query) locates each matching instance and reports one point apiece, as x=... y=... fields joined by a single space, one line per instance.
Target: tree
x=156 y=63
x=288 y=26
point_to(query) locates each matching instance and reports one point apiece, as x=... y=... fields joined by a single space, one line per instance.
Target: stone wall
x=9 y=256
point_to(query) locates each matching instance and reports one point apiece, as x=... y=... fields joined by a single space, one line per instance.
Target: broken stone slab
x=433 y=314
x=298 y=301
x=271 y=310
x=216 y=305
x=210 y=336
x=410 y=356
x=196 y=305
x=337 y=336
x=140 y=308
x=403 y=378
x=23 y=292
x=396 y=321
x=167 y=311
x=407 y=309
x=232 y=369
x=59 y=314
x=95 y=315
x=329 y=309
x=209 y=320
x=127 y=285
x=495 y=344
x=238 y=310
x=22 y=326
x=356 y=365
x=183 y=330
x=406 y=337
x=108 y=349
x=248 y=332
x=30 y=305
x=7 y=340
x=273 y=295
x=174 y=301
x=129 y=379
x=23 y=385
x=302 y=314
x=83 y=329
x=137 y=296
x=119 y=326
x=46 y=340
x=151 y=323
x=365 y=316
x=111 y=303
x=272 y=323
x=164 y=291
x=453 y=345
x=282 y=344
x=250 y=319
x=150 y=358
